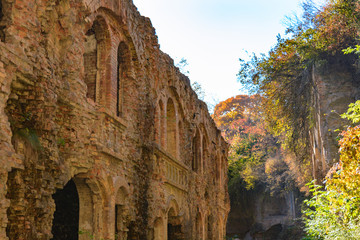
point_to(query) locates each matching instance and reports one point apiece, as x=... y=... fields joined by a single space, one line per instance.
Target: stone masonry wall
x=87 y=99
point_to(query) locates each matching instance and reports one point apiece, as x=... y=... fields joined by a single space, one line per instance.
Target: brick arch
x=172 y=204
x=174 y=228
x=97 y=60
x=173 y=93
x=93 y=199
x=123 y=64
x=90 y=198
x=204 y=146
x=123 y=71
x=171 y=128
x=160 y=123
x=113 y=5
x=180 y=121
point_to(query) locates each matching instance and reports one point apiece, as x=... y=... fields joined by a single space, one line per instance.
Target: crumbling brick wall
x=87 y=97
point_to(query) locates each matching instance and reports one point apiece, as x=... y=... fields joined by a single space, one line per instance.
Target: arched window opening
x=196 y=153
x=66 y=216
x=120 y=215
x=171 y=145
x=123 y=61
x=95 y=60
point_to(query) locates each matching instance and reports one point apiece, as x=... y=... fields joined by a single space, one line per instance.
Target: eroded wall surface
x=90 y=105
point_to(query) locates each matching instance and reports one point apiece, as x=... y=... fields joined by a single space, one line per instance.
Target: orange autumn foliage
x=238 y=115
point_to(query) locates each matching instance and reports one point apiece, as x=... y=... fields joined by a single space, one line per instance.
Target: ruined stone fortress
x=101 y=136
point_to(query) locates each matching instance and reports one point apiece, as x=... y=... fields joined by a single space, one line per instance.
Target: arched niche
x=96 y=52
x=159 y=123
x=171 y=129
x=196 y=159
x=123 y=70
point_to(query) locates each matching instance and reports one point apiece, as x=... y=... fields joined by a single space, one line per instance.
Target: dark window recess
x=123 y=59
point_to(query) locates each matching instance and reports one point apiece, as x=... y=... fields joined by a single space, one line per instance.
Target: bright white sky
x=213 y=34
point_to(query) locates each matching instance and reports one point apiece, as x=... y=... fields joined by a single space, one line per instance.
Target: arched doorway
x=174 y=228
x=66 y=216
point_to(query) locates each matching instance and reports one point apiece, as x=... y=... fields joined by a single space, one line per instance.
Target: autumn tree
x=283 y=77
x=236 y=115
x=334 y=210
x=254 y=156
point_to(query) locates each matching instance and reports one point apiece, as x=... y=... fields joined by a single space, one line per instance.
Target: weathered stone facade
x=97 y=124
